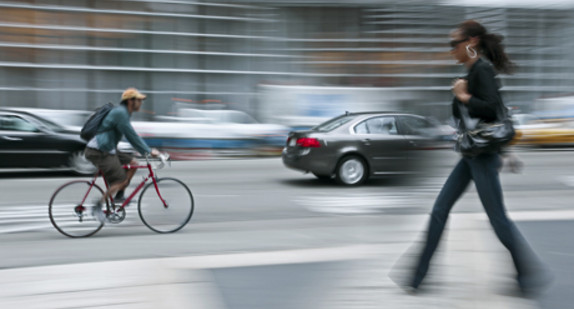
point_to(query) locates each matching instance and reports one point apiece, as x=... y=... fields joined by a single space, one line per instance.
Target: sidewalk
x=471 y=270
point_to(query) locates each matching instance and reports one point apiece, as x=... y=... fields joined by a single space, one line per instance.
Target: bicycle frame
x=151 y=175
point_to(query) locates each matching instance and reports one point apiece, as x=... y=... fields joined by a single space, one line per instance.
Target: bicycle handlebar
x=163 y=158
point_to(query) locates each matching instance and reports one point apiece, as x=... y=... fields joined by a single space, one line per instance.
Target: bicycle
x=167 y=211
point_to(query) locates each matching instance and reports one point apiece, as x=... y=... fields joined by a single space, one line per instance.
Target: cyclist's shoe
x=98 y=213
x=120 y=195
x=119 y=199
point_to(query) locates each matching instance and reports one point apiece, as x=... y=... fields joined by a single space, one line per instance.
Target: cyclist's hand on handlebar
x=155 y=153
x=164 y=157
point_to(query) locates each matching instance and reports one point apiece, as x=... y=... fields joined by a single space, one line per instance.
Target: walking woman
x=471 y=43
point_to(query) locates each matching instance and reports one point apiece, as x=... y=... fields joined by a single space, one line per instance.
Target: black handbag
x=477 y=136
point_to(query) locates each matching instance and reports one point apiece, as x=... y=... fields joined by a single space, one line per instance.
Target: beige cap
x=132 y=93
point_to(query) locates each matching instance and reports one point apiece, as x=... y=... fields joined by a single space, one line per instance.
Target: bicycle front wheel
x=71 y=209
x=171 y=216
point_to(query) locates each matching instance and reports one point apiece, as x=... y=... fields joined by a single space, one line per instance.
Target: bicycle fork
x=165 y=205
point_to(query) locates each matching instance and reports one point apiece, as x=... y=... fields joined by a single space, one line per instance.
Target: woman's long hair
x=490 y=45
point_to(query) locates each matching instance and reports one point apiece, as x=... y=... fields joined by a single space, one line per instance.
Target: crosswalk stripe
x=25 y=218
x=354 y=204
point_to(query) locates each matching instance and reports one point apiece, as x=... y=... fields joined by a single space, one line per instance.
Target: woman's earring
x=471 y=52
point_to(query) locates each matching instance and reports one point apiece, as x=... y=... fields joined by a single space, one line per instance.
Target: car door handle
x=11 y=138
x=366 y=141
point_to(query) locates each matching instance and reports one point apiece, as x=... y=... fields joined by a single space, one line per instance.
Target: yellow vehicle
x=532 y=131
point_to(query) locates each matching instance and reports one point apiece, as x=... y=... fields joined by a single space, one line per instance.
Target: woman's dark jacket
x=483 y=86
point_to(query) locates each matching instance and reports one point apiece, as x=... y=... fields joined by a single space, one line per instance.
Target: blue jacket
x=114 y=127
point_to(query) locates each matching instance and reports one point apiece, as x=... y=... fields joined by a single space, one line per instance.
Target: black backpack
x=90 y=128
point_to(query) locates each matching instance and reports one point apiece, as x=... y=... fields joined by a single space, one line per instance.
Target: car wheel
x=322 y=177
x=80 y=165
x=351 y=171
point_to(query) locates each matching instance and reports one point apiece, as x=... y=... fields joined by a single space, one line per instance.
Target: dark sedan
x=356 y=146
x=30 y=141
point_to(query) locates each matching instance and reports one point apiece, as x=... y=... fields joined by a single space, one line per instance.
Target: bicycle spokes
x=69 y=215
x=166 y=205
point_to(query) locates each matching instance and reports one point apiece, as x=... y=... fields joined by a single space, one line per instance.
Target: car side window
x=415 y=126
x=361 y=128
x=378 y=125
x=13 y=123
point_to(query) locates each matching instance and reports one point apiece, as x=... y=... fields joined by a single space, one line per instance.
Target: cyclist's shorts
x=109 y=164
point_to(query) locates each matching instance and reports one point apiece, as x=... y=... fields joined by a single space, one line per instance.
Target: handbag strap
x=470 y=123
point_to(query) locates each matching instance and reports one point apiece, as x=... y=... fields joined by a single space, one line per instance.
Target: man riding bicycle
x=102 y=151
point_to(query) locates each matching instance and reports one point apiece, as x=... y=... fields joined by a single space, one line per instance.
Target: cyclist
x=102 y=151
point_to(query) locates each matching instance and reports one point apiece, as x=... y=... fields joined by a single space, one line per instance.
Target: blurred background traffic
x=243 y=78
x=234 y=78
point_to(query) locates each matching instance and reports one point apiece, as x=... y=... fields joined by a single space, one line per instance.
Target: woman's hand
x=460 y=90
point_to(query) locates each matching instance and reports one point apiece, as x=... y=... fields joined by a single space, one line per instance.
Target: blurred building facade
x=79 y=54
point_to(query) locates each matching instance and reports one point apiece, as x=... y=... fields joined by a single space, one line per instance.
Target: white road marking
x=30 y=217
x=149 y=283
x=358 y=203
x=25 y=218
x=542 y=215
x=568 y=180
x=353 y=204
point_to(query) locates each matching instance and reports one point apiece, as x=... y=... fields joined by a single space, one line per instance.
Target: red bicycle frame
x=137 y=189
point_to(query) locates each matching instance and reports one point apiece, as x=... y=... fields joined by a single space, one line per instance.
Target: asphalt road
x=253 y=205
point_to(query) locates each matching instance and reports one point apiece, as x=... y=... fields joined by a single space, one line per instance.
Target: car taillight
x=308 y=142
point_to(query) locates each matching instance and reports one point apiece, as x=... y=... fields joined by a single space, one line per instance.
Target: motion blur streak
x=228 y=83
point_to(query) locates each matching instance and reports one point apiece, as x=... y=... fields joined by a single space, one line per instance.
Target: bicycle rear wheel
x=69 y=215
x=179 y=208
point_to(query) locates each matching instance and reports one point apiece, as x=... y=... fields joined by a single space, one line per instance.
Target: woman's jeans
x=483 y=169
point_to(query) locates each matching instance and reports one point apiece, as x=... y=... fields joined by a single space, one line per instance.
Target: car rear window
x=333 y=123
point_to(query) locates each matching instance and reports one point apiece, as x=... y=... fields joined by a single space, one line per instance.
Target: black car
x=356 y=146
x=30 y=141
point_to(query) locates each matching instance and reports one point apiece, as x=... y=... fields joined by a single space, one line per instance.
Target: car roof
x=18 y=111
x=14 y=111
x=394 y=113
x=34 y=110
x=22 y=112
